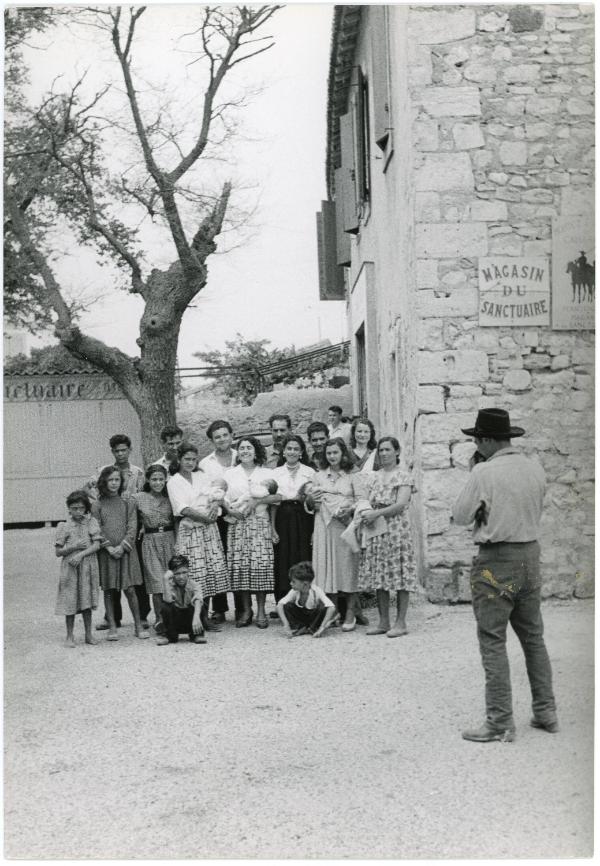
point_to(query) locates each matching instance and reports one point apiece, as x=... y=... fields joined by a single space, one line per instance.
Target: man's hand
x=196 y=624
x=481 y=515
x=274 y=536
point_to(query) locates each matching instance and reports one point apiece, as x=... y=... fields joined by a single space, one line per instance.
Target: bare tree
x=57 y=170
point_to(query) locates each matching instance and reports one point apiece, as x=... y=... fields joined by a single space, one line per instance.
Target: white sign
x=573 y=272
x=514 y=292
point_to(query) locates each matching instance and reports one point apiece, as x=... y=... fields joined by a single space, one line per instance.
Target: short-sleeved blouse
x=289 y=483
x=186 y=494
x=238 y=483
x=338 y=491
x=384 y=486
x=155 y=511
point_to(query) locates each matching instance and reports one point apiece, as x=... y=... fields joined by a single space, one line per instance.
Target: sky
x=267 y=284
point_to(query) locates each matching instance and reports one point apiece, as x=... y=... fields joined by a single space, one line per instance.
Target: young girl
x=76 y=543
x=158 y=543
x=117 y=558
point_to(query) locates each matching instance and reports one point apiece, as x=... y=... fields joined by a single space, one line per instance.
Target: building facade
x=460 y=228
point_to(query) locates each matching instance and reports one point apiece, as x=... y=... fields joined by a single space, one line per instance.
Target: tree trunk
x=159 y=336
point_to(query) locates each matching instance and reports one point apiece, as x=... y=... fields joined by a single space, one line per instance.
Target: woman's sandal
x=244 y=620
x=263 y=622
x=375 y=629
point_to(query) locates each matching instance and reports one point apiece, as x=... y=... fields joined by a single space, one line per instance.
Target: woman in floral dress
x=387 y=563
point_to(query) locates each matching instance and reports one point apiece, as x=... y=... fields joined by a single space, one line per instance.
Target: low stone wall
x=302 y=405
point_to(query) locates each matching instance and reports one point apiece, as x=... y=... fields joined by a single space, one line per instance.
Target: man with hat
x=503 y=498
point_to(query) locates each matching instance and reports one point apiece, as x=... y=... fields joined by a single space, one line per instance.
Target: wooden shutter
x=382 y=116
x=342 y=236
x=331 y=275
x=348 y=175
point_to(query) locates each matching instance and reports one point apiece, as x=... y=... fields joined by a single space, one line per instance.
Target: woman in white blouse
x=292 y=525
x=249 y=543
x=198 y=538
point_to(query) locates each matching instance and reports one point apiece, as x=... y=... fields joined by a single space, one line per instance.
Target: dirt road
x=257 y=747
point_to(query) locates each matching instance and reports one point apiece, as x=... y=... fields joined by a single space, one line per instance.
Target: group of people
x=313 y=527
x=312 y=523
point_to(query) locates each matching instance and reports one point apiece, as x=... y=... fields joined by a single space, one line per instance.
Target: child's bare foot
x=398 y=630
x=90 y=640
x=70 y=641
x=300 y=631
x=112 y=635
x=143 y=635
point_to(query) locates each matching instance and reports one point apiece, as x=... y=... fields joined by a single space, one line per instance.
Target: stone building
x=460 y=183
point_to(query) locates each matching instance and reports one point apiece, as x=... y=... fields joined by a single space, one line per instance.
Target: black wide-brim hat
x=493 y=424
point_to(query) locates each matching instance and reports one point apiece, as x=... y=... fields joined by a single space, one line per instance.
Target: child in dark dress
x=305 y=609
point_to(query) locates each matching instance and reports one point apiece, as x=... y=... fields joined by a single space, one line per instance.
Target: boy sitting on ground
x=181 y=608
x=305 y=609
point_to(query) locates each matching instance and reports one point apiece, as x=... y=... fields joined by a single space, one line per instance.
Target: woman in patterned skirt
x=249 y=541
x=198 y=537
x=158 y=544
x=388 y=564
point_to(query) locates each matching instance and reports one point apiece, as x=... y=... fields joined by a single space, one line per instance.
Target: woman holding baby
x=250 y=491
x=195 y=497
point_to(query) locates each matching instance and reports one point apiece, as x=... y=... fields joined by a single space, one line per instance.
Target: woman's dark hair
x=182 y=449
x=170 y=430
x=154 y=467
x=103 y=478
x=302 y=571
x=294 y=437
x=79 y=496
x=372 y=443
x=216 y=425
x=260 y=455
x=395 y=445
x=178 y=561
x=119 y=439
x=346 y=463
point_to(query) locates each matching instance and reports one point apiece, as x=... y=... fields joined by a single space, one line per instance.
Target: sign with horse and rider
x=573 y=272
x=514 y=292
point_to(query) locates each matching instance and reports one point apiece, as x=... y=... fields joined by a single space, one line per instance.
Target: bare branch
x=211 y=225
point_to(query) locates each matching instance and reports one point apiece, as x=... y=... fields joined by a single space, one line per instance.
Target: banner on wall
x=514 y=291
x=573 y=272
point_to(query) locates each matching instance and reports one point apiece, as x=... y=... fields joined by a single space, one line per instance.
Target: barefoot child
x=305 y=609
x=117 y=558
x=76 y=543
x=181 y=605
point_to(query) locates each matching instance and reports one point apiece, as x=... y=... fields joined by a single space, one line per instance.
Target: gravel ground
x=257 y=747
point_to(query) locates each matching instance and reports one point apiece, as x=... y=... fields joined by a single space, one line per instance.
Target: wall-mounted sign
x=573 y=272
x=36 y=389
x=514 y=292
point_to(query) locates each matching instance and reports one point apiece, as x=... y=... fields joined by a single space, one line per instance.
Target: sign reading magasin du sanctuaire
x=514 y=292
x=23 y=389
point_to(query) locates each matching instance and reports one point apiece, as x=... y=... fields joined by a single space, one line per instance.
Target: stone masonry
x=503 y=141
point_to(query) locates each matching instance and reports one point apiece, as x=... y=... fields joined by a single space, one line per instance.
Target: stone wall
x=503 y=135
x=302 y=405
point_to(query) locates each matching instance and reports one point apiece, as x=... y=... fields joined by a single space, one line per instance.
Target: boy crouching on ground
x=182 y=604
x=305 y=609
